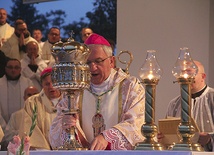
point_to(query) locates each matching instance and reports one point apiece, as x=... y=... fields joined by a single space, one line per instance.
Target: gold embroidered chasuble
x=132 y=115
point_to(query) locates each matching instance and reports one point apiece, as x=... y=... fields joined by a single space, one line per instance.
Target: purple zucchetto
x=46 y=70
x=96 y=39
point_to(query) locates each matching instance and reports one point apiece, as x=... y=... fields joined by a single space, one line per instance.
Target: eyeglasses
x=54 y=34
x=13 y=67
x=97 y=61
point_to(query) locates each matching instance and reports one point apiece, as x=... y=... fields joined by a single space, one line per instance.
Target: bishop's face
x=100 y=64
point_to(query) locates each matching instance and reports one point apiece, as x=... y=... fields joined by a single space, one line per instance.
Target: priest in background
x=45 y=103
x=6 y=30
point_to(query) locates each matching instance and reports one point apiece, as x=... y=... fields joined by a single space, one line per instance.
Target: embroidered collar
x=116 y=76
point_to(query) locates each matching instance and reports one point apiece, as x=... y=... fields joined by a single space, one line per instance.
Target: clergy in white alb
x=13 y=125
x=45 y=103
x=5 y=29
x=53 y=37
x=46 y=53
x=12 y=85
x=202 y=108
x=14 y=47
x=2 y=127
x=32 y=64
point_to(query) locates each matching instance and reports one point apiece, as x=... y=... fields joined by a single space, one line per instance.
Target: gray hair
x=106 y=49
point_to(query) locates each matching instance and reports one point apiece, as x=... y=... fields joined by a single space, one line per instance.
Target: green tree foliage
x=74 y=28
x=102 y=19
x=29 y=14
x=56 y=18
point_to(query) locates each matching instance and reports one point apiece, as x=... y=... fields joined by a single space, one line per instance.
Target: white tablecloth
x=115 y=153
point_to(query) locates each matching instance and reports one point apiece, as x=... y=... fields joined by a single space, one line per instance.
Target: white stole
x=4 y=95
x=108 y=109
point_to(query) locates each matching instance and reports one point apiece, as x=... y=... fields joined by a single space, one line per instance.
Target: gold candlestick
x=185 y=128
x=185 y=71
x=150 y=74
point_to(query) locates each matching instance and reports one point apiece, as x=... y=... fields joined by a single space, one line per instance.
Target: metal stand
x=72 y=143
x=149 y=129
x=185 y=128
x=71 y=73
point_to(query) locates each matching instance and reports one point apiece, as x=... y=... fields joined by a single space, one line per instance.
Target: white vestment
x=11 y=47
x=46 y=53
x=41 y=43
x=28 y=73
x=23 y=84
x=109 y=111
x=6 y=32
x=46 y=112
x=13 y=125
x=2 y=127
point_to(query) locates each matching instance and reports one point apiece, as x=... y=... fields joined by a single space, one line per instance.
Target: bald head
x=29 y=91
x=199 y=81
x=200 y=67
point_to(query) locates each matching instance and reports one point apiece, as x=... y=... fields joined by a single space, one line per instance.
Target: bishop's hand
x=99 y=143
x=68 y=121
